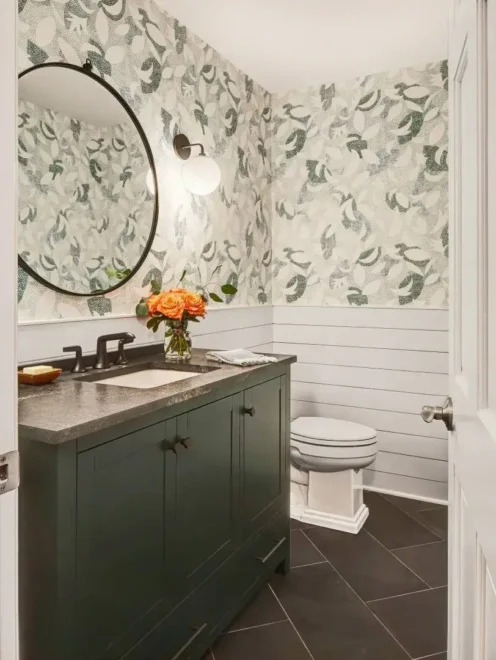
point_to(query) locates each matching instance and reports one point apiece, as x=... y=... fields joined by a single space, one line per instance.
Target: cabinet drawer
x=186 y=632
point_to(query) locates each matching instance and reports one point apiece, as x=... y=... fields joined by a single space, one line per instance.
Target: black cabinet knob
x=249 y=411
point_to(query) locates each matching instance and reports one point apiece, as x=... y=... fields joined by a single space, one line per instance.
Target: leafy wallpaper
x=85 y=213
x=335 y=195
x=175 y=83
x=360 y=191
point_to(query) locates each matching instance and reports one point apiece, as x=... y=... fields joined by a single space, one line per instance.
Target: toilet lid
x=318 y=430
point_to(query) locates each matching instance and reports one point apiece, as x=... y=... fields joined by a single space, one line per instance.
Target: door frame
x=9 y=638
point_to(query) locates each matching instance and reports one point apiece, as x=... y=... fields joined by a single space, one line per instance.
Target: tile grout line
x=315 y=563
x=431 y=508
x=418 y=545
x=409 y=593
x=361 y=599
x=291 y=622
x=398 y=559
x=260 y=625
x=413 y=518
x=433 y=655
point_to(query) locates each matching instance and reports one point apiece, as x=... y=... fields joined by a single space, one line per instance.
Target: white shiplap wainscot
x=375 y=366
x=223 y=328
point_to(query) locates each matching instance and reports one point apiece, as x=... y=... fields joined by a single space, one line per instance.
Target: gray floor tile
x=332 y=620
x=302 y=551
x=418 y=621
x=408 y=505
x=297 y=524
x=430 y=562
x=365 y=564
x=278 y=641
x=263 y=609
x=435 y=519
x=393 y=527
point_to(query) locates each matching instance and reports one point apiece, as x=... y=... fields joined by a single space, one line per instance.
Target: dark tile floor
x=380 y=595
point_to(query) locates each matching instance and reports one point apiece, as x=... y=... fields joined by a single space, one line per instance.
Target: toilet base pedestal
x=329 y=499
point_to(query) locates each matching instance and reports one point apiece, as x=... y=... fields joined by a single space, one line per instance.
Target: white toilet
x=327 y=456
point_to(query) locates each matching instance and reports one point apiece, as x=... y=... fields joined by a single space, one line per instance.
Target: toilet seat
x=328 y=444
x=330 y=430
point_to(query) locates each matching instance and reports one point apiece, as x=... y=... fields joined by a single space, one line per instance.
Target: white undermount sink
x=148 y=378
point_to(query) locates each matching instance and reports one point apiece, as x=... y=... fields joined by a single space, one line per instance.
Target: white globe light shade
x=201 y=175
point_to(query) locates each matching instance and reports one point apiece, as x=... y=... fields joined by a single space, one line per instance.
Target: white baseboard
x=351 y=525
x=408 y=496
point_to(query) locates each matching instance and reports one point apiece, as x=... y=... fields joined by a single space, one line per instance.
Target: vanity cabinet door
x=203 y=495
x=264 y=457
x=120 y=540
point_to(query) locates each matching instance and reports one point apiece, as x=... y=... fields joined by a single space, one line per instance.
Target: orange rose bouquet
x=177 y=308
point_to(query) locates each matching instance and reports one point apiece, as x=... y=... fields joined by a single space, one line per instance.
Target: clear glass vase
x=177 y=343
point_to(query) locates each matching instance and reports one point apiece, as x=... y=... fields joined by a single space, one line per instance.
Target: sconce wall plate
x=182 y=146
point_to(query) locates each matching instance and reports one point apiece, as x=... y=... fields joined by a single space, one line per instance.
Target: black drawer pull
x=190 y=641
x=264 y=560
x=249 y=411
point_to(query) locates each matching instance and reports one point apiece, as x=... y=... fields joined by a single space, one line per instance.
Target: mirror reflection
x=87 y=203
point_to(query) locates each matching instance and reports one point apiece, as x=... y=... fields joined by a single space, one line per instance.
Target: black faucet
x=102 y=361
x=78 y=366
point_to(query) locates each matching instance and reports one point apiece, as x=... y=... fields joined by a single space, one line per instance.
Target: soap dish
x=38 y=379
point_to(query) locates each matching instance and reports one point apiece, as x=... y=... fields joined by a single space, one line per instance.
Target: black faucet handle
x=78 y=366
x=121 y=356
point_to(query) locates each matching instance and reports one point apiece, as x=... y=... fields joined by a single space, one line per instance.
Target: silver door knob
x=442 y=413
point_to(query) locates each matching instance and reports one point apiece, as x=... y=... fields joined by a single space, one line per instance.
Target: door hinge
x=9 y=471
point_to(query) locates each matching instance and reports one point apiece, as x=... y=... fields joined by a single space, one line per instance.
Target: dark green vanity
x=145 y=529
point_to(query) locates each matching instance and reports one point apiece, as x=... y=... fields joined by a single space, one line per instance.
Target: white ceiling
x=294 y=44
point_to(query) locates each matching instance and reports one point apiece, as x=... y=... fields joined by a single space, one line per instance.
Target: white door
x=8 y=325
x=472 y=543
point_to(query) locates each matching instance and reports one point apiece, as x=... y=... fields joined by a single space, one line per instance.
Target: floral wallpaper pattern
x=85 y=212
x=360 y=191
x=175 y=83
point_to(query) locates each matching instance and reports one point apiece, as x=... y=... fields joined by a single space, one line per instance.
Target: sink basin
x=147 y=376
x=145 y=380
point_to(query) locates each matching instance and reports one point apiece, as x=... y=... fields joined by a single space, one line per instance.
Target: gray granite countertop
x=70 y=408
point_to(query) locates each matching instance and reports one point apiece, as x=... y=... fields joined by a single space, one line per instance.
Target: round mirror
x=88 y=202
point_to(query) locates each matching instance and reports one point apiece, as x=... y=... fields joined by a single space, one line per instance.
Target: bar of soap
x=34 y=371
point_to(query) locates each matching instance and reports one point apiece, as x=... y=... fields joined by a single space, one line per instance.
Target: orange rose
x=171 y=305
x=152 y=303
x=194 y=303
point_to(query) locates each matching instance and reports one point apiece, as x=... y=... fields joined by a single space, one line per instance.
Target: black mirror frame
x=86 y=69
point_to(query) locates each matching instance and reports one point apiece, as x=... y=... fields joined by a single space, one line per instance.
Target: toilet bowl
x=327 y=457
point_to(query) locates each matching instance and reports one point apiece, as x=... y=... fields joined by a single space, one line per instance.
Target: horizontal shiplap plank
x=411 y=466
x=225 y=319
x=397 y=381
x=363 y=317
x=371 y=358
x=240 y=338
x=261 y=348
x=413 y=445
x=435 y=491
x=413 y=340
x=380 y=420
x=365 y=398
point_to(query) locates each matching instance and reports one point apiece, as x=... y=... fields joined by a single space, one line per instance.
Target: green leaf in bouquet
x=142 y=308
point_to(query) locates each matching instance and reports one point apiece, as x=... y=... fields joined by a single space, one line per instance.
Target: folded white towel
x=240 y=357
